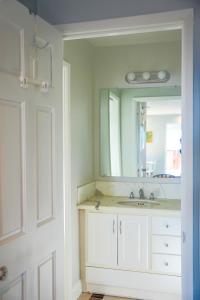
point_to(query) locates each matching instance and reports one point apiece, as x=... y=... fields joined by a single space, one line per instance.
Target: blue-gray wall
x=67 y=11
x=196 y=136
x=30 y=4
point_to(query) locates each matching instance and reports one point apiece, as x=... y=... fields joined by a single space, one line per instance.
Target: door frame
x=67 y=180
x=182 y=19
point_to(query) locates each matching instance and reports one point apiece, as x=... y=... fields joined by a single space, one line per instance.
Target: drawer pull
x=113 y=226
x=166 y=264
x=166 y=245
x=167 y=225
x=120 y=227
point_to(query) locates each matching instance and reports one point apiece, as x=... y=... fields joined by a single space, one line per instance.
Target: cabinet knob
x=166 y=264
x=167 y=225
x=166 y=245
x=3 y=273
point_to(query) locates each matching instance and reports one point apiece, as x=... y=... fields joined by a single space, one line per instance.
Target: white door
x=101 y=240
x=31 y=204
x=133 y=242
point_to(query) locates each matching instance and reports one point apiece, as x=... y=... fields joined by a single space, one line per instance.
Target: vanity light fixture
x=147 y=77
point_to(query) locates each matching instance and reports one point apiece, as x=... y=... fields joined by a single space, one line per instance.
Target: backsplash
x=161 y=191
x=86 y=191
x=123 y=189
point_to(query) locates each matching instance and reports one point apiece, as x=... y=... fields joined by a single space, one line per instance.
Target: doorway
x=183 y=21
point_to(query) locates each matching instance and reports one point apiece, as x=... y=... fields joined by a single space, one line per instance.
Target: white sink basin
x=138 y=202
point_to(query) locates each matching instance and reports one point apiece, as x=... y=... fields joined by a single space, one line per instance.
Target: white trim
x=140 y=180
x=183 y=20
x=76 y=290
x=119 y=26
x=67 y=182
x=187 y=157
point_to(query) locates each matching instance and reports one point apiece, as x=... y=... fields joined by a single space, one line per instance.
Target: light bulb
x=162 y=75
x=146 y=75
x=131 y=76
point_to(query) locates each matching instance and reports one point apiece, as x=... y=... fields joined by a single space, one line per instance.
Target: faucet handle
x=152 y=197
x=131 y=195
x=141 y=194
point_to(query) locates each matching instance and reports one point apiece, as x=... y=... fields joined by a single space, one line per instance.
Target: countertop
x=111 y=204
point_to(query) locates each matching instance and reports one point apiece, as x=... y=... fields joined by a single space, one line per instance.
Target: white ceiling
x=139 y=38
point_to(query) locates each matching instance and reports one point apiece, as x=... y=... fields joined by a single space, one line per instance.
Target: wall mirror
x=140 y=132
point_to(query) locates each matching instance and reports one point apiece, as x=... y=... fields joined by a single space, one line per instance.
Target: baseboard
x=129 y=293
x=76 y=290
x=131 y=284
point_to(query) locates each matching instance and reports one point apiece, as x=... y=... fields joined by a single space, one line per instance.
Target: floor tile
x=84 y=297
x=115 y=298
x=87 y=297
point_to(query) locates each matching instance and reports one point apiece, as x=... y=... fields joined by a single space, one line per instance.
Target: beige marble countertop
x=111 y=204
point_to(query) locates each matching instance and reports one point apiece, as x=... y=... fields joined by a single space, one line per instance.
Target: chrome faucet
x=131 y=195
x=141 y=194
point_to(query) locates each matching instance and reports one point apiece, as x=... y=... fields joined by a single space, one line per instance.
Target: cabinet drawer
x=166 y=244
x=166 y=226
x=170 y=264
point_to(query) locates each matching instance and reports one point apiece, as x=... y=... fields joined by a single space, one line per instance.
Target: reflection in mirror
x=140 y=132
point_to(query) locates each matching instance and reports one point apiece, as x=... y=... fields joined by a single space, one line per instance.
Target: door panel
x=133 y=242
x=102 y=240
x=10 y=45
x=12 y=163
x=46 y=276
x=15 y=290
x=45 y=161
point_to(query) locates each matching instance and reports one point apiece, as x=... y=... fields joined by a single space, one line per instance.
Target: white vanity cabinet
x=132 y=255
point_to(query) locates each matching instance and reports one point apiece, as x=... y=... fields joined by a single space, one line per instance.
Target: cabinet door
x=101 y=240
x=133 y=242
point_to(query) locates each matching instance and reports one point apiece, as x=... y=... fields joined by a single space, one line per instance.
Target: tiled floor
x=87 y=297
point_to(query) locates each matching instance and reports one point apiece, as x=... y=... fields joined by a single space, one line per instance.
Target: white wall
x=80 y=56
x=112 y=63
